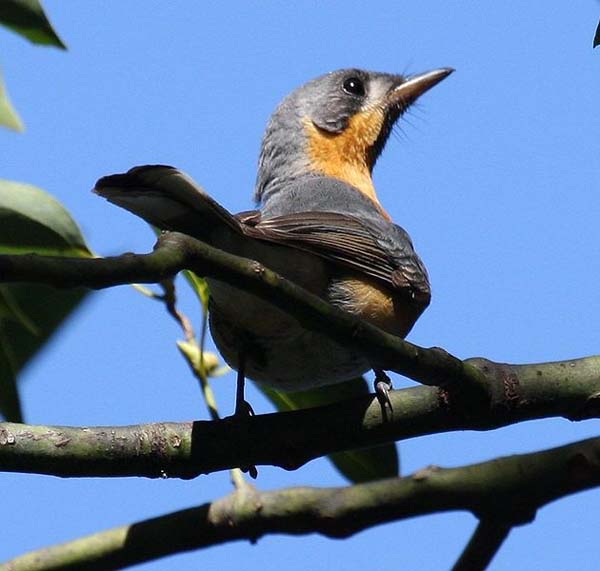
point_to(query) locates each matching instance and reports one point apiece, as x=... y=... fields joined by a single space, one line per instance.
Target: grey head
x=336 y=125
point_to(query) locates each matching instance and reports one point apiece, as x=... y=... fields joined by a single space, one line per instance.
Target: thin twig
x=196 y=358
x=170 y=299
x=485 y=542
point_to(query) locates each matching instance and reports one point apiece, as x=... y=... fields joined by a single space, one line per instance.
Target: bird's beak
x=400 y=96
x=413 y=87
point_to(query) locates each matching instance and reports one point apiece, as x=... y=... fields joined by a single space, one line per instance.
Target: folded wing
x=169 y=199
x=385 y=254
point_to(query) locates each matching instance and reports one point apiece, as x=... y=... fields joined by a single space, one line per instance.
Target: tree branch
x=175 y=252
x=483 y=545
x=95 y=273
x=502 y=493
x=569 y=389
x=509 y=490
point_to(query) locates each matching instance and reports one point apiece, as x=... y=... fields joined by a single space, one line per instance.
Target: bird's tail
x=167 y=198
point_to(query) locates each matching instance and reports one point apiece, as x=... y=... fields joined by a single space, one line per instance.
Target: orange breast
x=345 y=155
x=376 y=303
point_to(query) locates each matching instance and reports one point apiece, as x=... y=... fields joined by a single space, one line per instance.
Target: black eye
x=354 y=86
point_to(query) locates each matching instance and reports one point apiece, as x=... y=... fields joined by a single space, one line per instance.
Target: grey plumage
x=326 y=233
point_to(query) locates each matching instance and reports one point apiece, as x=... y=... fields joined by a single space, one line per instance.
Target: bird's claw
x=243 y=409
x=383 y=384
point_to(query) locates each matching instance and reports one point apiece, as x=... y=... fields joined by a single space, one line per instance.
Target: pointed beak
x=413 y=87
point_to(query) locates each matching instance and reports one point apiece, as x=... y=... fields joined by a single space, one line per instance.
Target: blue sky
x=494 y=174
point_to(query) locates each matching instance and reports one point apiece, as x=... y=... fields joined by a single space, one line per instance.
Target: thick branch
x=175 y=252
x=508 y=489
x=184 y=450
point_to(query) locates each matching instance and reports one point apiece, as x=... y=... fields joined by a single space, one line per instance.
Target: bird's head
x=337 y=125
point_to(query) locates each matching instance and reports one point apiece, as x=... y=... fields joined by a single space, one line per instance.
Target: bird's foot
x=383 y=385
x=243 y=411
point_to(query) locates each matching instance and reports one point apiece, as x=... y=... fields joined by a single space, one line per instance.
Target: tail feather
x=167 y=198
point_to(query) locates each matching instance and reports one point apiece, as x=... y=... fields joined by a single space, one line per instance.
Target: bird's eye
x=354 y=86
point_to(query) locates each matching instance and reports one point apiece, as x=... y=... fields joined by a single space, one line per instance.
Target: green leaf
x=8 y=116
x=200 y=288
x=27 y=17
x=597 y=36
x=367 y=464
x=209 y=360
x=31 y=221
x=361 y=465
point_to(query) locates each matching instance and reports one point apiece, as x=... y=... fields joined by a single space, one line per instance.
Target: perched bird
x=318 y=223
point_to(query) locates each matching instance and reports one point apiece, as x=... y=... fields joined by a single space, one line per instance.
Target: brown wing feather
x=347 y=241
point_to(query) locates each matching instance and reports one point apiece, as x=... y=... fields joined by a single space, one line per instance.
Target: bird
x=318 y=223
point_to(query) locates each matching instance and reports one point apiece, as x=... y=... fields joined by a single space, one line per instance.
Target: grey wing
x=410 y=271
x=376 y=248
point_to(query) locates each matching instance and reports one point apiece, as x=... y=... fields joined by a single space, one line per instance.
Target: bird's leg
x=242 y=406
x=382 y=386
x=243 y=409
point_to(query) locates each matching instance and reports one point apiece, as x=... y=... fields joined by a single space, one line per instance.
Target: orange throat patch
x=345 y=155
